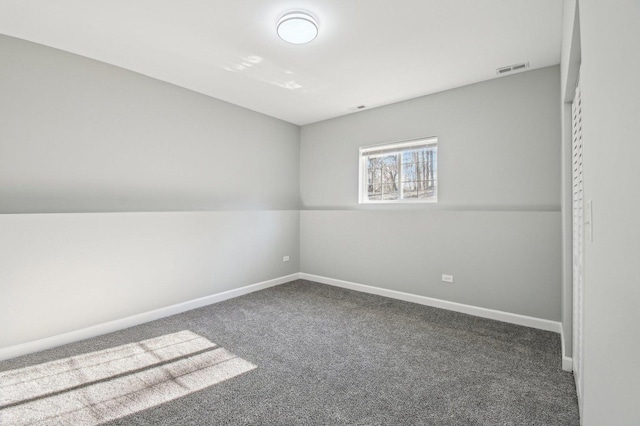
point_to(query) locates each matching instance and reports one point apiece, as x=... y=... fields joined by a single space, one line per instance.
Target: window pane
x=400 y=171
x=419 y=173
x=382 y=177
x=374 y=177
x=410 y=189
x=409 y=171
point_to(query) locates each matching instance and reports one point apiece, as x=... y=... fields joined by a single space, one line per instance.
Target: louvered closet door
x=578 y=241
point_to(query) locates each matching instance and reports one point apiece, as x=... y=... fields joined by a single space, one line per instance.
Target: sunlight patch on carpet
x=97 y=387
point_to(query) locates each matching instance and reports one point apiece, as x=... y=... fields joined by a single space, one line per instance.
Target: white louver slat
x=578 y=241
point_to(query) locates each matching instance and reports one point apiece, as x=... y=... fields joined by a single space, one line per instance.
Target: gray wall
x=78 y=137
x=609 y=35
x=64 y=272
x=497 y=224
x=104 y=155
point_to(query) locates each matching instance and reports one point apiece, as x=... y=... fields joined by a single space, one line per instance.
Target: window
x=401 y=172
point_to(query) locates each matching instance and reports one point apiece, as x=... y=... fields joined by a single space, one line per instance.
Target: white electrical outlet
x=447 y=278
x=285 y=259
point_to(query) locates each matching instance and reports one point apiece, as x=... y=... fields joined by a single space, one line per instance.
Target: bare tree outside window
x=401 y=172
x=383 y=177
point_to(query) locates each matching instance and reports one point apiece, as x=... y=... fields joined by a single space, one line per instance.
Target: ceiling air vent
x=515 y=67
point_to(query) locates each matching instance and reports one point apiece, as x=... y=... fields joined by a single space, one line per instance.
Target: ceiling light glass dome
x=297 y=28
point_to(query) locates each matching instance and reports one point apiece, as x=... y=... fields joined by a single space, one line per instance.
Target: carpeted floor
x=325 y=355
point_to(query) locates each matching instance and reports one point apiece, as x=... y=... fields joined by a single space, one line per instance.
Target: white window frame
x=363 y=197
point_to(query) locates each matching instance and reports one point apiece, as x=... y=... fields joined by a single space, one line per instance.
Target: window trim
x=396 y=146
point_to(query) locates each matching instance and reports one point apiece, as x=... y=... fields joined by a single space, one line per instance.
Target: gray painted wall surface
x=508 y=261
x=81 y=136
x=611 y=125
x=65 y=272
x=497 y=224
x=78 y=135
x=498 y=145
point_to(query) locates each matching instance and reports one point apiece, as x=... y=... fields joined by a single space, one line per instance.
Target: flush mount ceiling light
x=297 y=28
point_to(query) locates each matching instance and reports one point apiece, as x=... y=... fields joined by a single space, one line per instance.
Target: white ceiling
x=368 y=52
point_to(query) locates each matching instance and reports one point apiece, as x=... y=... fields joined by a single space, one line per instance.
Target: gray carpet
x=326 y=355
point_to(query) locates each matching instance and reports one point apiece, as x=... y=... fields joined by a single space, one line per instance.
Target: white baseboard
x=120 y=324
x=567 y=361
x=541 y=324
